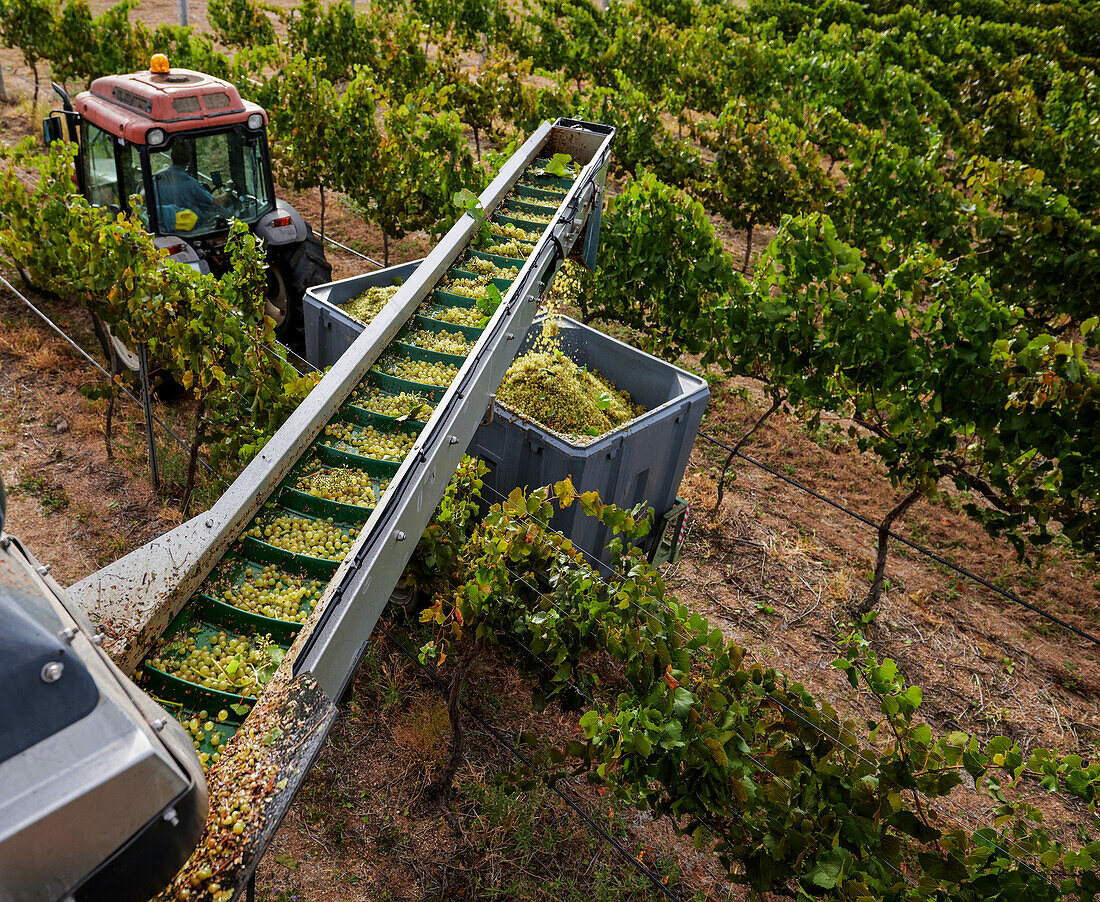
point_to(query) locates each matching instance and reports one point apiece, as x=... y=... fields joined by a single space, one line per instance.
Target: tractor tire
x=406 y=600
x=292 y=271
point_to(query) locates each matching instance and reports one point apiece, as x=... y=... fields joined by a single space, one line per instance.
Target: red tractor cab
x=196 y=154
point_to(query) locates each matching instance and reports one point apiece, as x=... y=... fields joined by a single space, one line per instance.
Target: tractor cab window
x=201 y=182
x=100 y=170
x=131 y=182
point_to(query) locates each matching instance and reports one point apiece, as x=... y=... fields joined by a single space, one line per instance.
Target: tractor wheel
x=291 y=272
x=406 y=600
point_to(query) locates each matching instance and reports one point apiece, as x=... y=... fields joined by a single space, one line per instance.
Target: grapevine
x=732 y=752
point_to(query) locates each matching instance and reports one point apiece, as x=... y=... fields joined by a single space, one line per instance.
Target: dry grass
x=422 y=734
x=19 y=339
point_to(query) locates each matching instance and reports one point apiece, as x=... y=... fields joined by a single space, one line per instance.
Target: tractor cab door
x=111 y=169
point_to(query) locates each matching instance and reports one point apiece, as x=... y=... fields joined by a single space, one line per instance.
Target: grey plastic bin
x=330 y=331
x=641 y=461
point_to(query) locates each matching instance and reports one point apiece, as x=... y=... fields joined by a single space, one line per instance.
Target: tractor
x=196 y=154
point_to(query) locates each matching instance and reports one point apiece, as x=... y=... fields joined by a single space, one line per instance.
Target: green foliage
x=565 y=36
x=641 y=138
x=435 y=564
x=331 y=37
x=111 y=264
x=467 y=22
x=303 y=116
x=791 y=798
x=29 y=26
x=75 y=46
x=764 y=167
x=404 y=174
x=240 y=23
x=943 y=379
x=662 y=267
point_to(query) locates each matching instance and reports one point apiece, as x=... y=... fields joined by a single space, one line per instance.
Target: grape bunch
x=272 y=593
x=482 y=267
x=548 y=387
x=367 y=305
x=302 y=535
x=530 y=181
x=234 y=817
x=369 y=441
x=203 y=729
x=527 y=215
x=236 y=664
x=456 y=316
x=510 y=230
x=442 y=342
x=423 y=372
x=414 y=406
x=513 y=248
x=467 y=288
x=343 y=484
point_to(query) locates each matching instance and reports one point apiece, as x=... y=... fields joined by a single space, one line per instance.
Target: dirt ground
x=773 y=567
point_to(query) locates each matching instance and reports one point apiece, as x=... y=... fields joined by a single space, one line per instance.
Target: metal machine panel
x=109 y=770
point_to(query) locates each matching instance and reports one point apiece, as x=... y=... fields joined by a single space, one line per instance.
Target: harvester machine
x=246 y=622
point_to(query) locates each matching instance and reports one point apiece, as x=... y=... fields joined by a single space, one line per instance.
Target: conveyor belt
x=328 y=513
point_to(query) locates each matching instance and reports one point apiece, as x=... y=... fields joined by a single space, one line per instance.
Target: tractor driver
x=179 y=193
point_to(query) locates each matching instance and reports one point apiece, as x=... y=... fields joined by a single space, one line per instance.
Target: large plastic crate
x=642 y=461
x=330 y=331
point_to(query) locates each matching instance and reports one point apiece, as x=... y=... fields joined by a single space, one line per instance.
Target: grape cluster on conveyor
x=368 y=441
x=442 y=342
x=511 y=230
x=423 y=372
x=469 y=288
x=346 y=485
x=479 y=266
x=306 y=536
x=527 y=215
x=239 y=665
x=402 y=404
x=456 y=316
x=272 y=593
